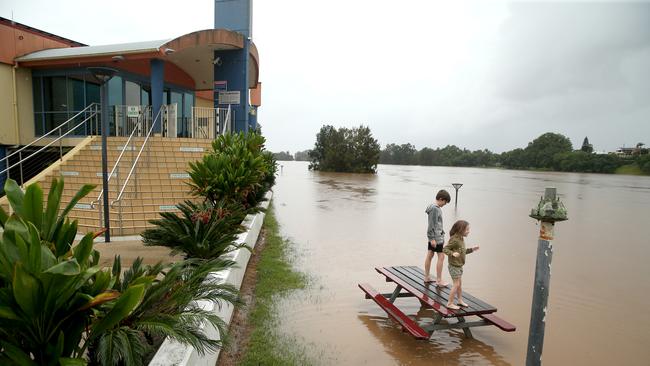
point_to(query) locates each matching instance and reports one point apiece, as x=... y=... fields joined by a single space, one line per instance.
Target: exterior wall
x=18 y=40
x=25 y=93
x=9 y=135
x=204 y=103
x=256 y=95
x=7 y=112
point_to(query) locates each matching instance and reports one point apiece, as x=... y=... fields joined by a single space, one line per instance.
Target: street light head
x=102 y=74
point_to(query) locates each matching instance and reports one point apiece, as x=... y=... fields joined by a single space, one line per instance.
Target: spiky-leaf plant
x=170 y=308
x=201 y=230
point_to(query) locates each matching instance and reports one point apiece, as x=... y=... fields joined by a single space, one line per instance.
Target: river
x=345 y=225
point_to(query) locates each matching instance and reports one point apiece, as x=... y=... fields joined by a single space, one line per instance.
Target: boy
x=436 y=236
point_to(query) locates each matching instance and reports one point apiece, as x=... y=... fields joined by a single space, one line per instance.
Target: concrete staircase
x=158 y=183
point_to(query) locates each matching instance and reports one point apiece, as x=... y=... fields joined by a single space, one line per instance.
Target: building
x=194 y=86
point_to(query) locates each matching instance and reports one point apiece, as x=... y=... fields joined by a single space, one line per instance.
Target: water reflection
x=444 y=348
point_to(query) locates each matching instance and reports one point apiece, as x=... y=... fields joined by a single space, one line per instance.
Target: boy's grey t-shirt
x=435 y=230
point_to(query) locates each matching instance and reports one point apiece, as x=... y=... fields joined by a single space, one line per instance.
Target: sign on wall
x=230 y=97
x=133 y=111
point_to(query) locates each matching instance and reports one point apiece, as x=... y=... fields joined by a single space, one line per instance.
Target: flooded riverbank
x=344 y=225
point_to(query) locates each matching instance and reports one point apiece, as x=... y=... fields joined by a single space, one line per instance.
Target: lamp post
x=456 y=187
x=103 y=75
x=549 y=210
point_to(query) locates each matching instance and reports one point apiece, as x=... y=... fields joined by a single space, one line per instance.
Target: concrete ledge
x=173 y=353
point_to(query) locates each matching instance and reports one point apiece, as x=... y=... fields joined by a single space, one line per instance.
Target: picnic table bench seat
x=411 y=280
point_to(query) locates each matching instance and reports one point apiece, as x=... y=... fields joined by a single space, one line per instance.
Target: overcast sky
x=477 y=74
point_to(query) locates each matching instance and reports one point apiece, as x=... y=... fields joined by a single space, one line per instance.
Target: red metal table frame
x=409 y=282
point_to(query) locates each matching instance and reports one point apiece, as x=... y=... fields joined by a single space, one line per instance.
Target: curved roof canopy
x=193 y=53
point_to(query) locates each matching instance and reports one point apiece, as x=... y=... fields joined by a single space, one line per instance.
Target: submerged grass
x=275 y=279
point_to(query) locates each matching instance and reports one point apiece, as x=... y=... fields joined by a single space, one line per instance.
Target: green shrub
x=238 y=171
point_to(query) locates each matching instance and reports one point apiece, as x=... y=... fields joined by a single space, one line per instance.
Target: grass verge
x=630 y=169
x=275 y=279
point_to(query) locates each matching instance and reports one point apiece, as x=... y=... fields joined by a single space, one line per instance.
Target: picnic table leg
x=436 y=321
x=468 y=333
x=398 y=288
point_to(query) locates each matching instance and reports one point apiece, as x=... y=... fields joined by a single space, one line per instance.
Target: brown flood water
x=344 y=225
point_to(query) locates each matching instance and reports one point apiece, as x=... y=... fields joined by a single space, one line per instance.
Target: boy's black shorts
x=437 y=249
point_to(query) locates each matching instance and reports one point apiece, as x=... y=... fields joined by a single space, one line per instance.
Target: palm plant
x=201 y=231
x=51 y=291
x=170 y=308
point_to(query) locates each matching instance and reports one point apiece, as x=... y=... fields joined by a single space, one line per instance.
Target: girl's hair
x=459 y=227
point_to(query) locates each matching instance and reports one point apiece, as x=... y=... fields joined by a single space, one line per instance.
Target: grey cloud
x=562 y=48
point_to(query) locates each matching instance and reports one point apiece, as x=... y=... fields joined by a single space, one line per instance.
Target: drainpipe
x=15 y=101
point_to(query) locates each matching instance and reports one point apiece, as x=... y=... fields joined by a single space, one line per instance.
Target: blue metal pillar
x=233 y=68
x=157 y=85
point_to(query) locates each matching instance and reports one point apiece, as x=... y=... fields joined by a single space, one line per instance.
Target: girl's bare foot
x=441 y=284
x=428 y=279
x=452 y=306
x=463 y=304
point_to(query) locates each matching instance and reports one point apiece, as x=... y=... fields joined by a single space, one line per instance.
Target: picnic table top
x=411 y=279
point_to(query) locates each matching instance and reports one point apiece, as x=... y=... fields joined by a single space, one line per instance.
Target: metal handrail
x=58 y=139
x=137 y=159
x=91 y=105
x=228 y=124
x=119 y=158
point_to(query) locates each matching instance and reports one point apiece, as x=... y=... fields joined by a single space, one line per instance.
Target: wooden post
x=548 y=211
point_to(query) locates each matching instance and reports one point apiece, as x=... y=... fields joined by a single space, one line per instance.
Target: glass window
x=76 y=99
x=177 y=98
x=187 y=106
x=55 y=94
x=37 y=84
x=145 y=97
x=131 y=93
x=115 y=91
x=92 y=93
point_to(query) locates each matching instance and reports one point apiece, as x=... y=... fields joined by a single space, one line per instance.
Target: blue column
x=233 y=68
x=157 y=82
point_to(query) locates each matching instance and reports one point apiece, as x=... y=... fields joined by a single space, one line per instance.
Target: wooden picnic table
x=409 y=282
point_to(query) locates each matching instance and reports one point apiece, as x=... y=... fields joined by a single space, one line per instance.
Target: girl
x=456 y=251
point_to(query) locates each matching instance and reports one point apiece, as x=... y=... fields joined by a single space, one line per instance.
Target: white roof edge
x=90 y=51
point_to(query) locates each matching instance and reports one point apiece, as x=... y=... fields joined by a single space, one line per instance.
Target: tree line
x=550 y=151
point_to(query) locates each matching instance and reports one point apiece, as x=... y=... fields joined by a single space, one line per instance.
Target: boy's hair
x=443 y=196
x=459 y=227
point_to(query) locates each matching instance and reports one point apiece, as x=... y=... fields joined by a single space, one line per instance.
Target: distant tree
x=580 y=161
x=345 y=150
x=398 y=154
x=539 y=153
x=643 y=161
x=364 y=150
x=515 y=159
x=283 y=156
x=301 y=155
x=427 y=156
x=586 y=146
